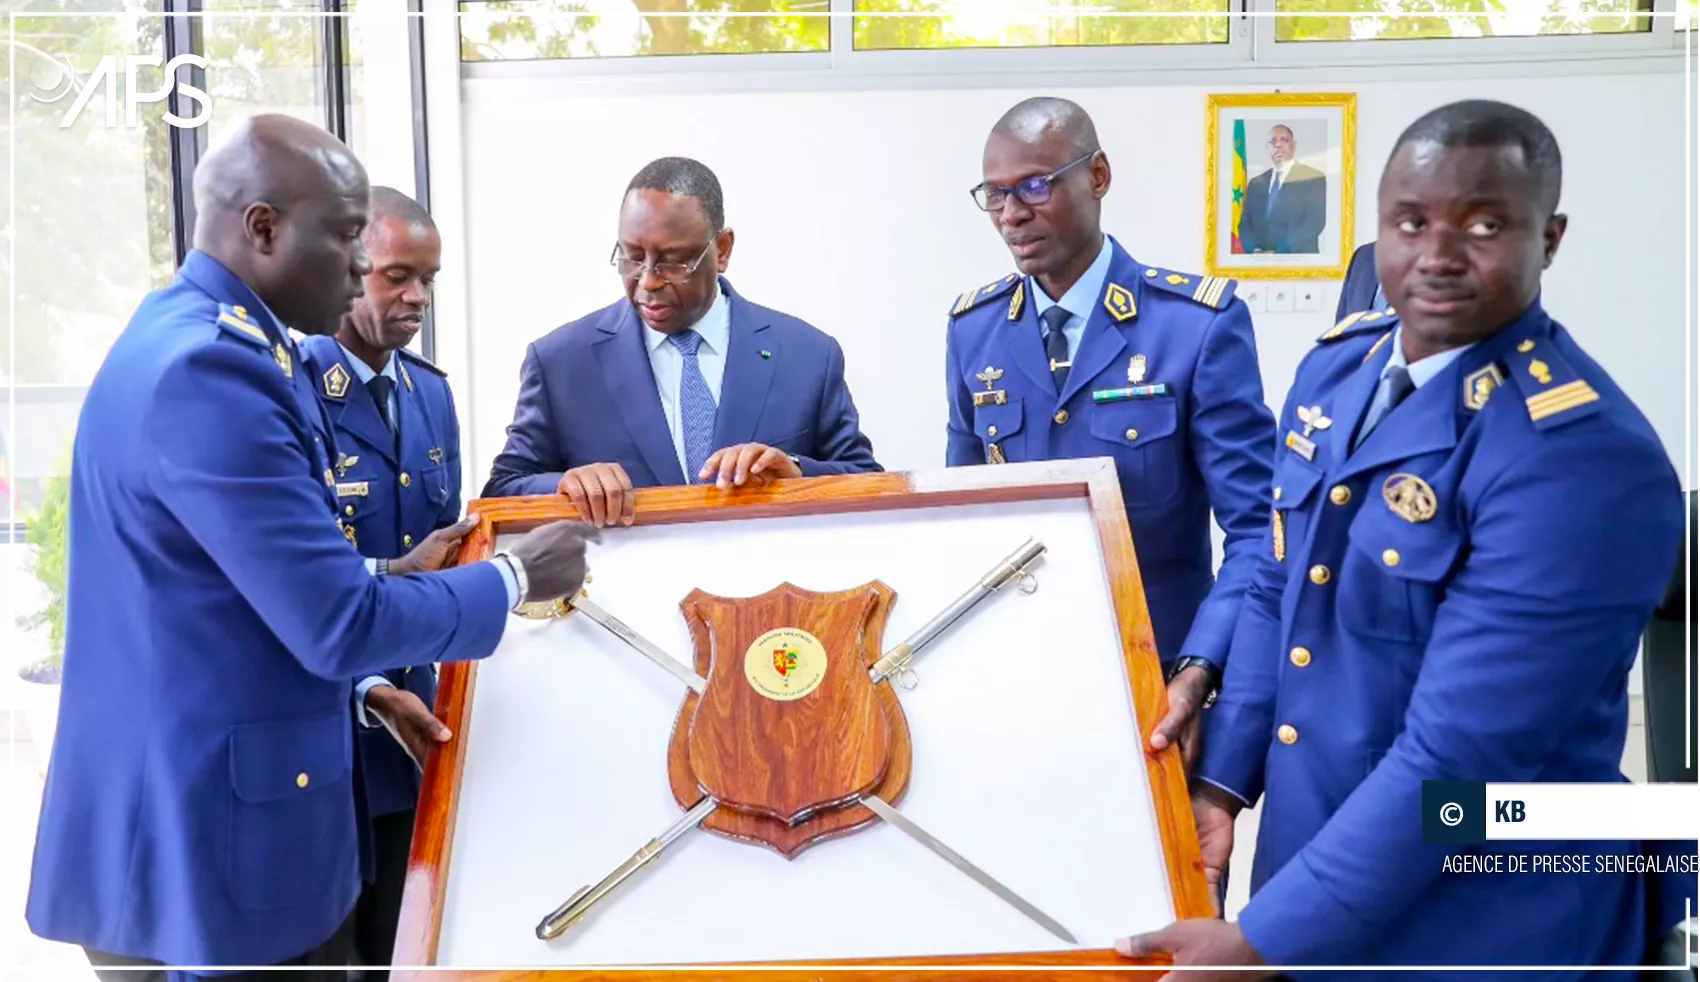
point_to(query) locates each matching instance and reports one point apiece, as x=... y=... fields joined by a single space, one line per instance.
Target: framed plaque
x=1019 y=725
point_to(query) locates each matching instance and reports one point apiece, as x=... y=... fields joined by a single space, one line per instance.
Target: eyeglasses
x=1032 y=191
x=675 y=273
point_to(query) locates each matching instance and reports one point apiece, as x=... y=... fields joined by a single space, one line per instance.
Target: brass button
x=1319 y=575
x=1133 y=434
x=348 y=510
x=1390 y=557
x=1061 y=417
x=1300 y=656
x=407 y=541
x=1288 y=735
x=1277 y=494
x=405 y=480
x=1340 y=494
x=991 y=431
x=301 y=779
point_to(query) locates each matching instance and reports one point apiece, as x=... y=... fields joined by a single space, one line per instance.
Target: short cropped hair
x=1486 y=123
x=387 y=202
x=687 y=177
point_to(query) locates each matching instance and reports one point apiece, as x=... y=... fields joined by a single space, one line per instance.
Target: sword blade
x=639 y=643
x=879 y=807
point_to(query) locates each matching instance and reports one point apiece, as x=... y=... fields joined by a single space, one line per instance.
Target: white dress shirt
x=667 y=363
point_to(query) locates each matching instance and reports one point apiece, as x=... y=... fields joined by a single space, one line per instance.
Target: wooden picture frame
x=429 y=864
x=1306 y=232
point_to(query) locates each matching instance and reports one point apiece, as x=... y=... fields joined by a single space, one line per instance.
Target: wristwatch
x=1211 y=673
x=381 y=567
x=519 y=573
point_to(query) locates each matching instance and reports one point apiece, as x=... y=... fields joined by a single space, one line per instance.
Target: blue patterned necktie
x=696 y=405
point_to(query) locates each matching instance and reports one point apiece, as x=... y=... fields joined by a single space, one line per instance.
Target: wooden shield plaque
x=821 y=735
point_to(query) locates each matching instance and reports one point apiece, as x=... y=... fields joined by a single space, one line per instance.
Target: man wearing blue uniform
x=1089 y=353
x=684 y=380
x=1473 y=525
x=397 y=481
x=203 y=805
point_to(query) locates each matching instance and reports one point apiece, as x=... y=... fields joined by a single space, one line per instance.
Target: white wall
x=852 y=211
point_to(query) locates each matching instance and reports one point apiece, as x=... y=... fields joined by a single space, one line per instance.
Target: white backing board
x=1026 y=759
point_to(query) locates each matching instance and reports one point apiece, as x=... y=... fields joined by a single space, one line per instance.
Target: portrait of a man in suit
x=1286 y=206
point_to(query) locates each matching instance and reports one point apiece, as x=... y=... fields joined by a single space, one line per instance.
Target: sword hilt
x=896 y=662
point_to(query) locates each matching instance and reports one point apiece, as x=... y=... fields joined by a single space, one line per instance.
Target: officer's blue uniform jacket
x=1165 y=382
x=587 y=395
x=393 y=497
x=1461 y=598
x=201 y=806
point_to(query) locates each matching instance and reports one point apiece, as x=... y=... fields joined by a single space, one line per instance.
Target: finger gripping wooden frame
x=429 y=862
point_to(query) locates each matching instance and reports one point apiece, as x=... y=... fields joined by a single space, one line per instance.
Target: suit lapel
x=1351 y=401
x=624 y=361
x=1026 y=346
x=1425 y=422
x=357 y=413
x=748 y=375
x=1103 y=342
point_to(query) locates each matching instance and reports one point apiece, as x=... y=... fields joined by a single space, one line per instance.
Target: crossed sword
x=894 y=666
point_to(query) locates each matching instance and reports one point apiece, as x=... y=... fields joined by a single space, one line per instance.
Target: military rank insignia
x=284 y=362
x=336 y=381
x=1479 y=385
x=1118 y=300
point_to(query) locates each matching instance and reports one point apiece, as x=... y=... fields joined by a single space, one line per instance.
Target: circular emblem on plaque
x=786 y=663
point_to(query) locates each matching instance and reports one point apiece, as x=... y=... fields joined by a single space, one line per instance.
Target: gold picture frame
x=1305 y=229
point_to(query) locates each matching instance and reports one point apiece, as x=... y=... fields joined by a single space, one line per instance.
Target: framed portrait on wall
x=1279 y=192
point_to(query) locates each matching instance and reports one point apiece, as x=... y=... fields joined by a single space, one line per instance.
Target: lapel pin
x=765 y=353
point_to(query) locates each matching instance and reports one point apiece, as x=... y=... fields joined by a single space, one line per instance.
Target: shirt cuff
x=371 y=566
x=364 y=686
x=509 y=580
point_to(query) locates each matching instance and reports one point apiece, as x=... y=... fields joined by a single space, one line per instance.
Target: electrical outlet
x=1254 y=295
x=1309 y=297
x=1281 y=298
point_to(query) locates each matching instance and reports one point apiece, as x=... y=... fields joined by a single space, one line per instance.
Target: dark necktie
x=381 y=386
x=1397 y=385
x=1056 y=344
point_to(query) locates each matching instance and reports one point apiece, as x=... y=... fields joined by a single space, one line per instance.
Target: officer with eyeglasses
x=1085 y=352
x=684 y=380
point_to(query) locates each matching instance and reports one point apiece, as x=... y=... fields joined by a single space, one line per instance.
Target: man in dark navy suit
x=684 y=380
x=1286 y=206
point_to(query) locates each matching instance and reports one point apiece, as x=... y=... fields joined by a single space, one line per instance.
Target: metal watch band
x=1189 y=661
x=519 y=574
x=382 y=567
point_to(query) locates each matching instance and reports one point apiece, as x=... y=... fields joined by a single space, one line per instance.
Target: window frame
x=1251 y=46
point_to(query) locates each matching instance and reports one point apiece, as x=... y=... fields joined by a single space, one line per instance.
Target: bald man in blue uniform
x=1473 y=527
x=1090 y=353
x=203 y=805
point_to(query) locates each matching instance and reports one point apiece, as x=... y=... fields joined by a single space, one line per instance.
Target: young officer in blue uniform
x=397 y=481
x=203 y=804
x=1473 y=525
x=1088 y=353
x=684 y=380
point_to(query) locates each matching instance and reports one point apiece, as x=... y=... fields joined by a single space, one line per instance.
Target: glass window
x=1685 y=11
x=92 y=232
x=379 y=60
x=1372 y=20
x=520 y=30
x=264 y=57
x=1035 y=24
